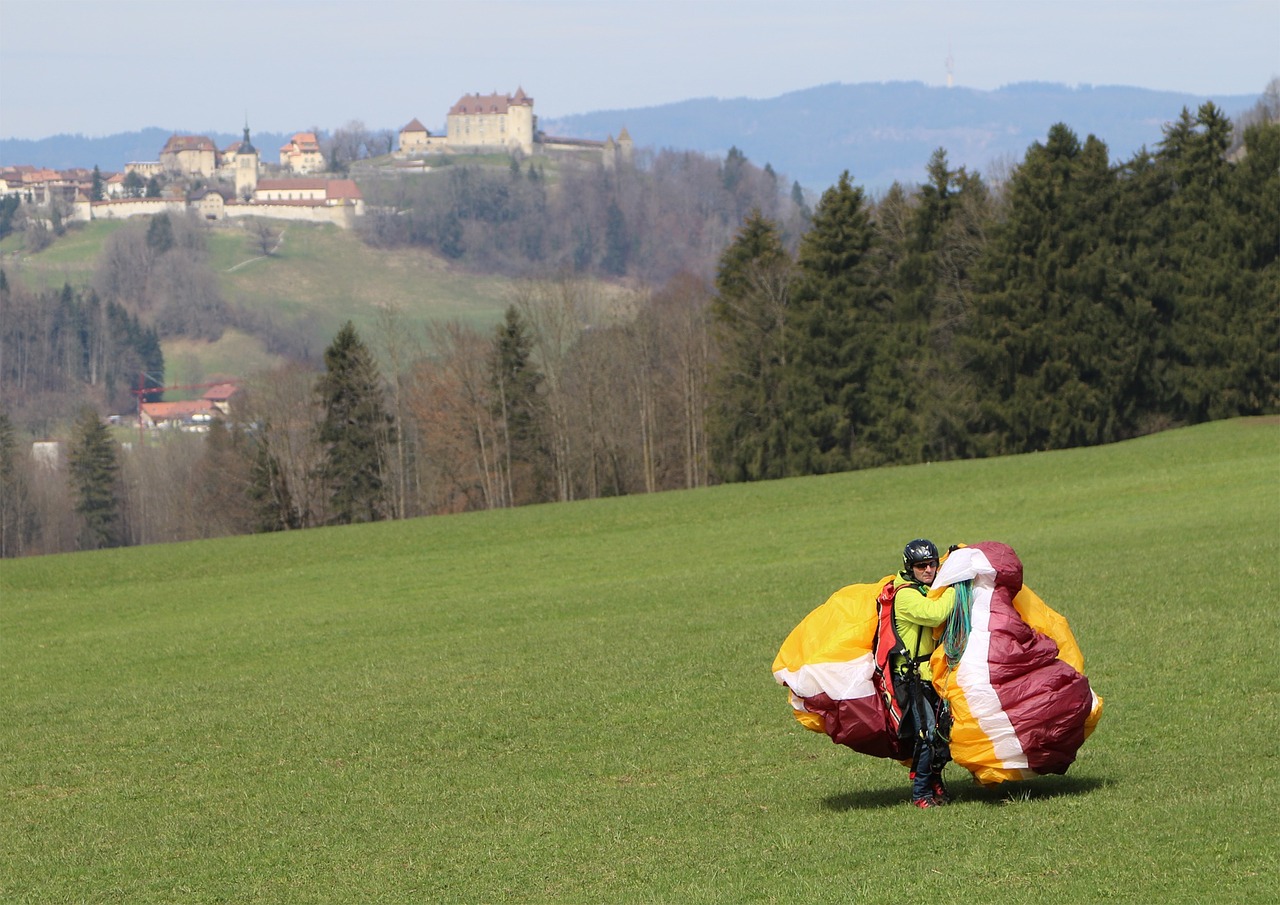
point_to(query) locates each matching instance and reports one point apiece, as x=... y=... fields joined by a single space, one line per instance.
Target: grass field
x=573 y=703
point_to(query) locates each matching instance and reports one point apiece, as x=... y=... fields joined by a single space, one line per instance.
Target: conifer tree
x=355 y=432
x=1219 y=239
x=841 y=309
x=929 y=246
x=94 y=473
x=747 y=430
x=269 y=494
x=1059 y=353
x=1255 y=190
x=518 y=410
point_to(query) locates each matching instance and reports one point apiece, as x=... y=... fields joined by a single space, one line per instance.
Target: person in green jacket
x=915 y=616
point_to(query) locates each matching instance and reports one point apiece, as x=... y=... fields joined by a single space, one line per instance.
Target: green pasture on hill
x=319 y=277
x=69 y=259
x=573 y=703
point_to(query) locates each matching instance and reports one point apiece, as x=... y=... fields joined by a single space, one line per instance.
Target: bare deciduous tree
x=556 y=311
x=452 y=408
x=281 y=408
x=264 y=237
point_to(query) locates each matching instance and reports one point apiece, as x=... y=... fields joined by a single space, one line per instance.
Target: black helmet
x=918 y=551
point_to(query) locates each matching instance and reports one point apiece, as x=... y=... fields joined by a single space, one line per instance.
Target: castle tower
x=246 y=168
x=626 y=147
x=522 y=122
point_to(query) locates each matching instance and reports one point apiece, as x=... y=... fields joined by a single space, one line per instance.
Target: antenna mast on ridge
x=951 y=68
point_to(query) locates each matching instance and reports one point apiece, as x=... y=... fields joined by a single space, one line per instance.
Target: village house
x=144 y=168
x=312 y=199
x=302 y=155
x=189 y=155
x=41 y=186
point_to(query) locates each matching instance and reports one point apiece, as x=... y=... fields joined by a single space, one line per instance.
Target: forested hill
x=885 y=132
x=880 y=132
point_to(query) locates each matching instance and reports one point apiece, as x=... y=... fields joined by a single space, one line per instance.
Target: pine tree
x=1059 y=353
x=1255 y=192
x=1217 y=239
x=269 y=491
x=356 y=431
x=518 y=410
x=747 y=430
x=929 y=246
x=94 y=474
x=837 y=332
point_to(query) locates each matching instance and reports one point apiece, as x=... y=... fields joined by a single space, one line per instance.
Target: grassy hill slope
x=320 y=277
x=573 y=703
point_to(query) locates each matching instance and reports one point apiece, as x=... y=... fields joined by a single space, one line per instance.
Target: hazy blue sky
x=103 y=66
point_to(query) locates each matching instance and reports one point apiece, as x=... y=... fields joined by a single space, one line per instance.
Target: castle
x=229 y=183
x=502 y=122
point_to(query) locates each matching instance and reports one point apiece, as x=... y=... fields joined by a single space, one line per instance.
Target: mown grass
x=573 y=703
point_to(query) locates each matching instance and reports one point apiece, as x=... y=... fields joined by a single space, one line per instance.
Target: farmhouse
x=193 y=416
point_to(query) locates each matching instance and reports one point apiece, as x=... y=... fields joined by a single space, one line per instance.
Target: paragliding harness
x=903 y=691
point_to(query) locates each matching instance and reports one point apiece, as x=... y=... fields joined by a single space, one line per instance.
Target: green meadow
x=574 y=703
x=318 y=278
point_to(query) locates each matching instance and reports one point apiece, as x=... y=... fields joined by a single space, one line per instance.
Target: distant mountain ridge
x=885 y=132
x=112 y=152
x=879 y=132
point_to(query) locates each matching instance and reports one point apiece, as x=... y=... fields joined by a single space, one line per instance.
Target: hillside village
x=193 y=174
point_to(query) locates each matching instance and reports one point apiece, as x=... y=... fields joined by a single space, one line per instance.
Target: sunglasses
x=931 y=564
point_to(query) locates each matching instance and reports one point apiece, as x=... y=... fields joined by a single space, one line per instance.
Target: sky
x=99 y=67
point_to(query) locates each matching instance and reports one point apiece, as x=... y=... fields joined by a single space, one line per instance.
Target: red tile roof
x=221 y=393
x=491 y=103
x=344 y=188
x=173 y=411
x=178 y=143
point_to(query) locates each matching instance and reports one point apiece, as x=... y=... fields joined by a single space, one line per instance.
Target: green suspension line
x=956 y=634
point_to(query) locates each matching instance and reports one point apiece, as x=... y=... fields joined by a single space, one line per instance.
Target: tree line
x=1075 y=301
x=671 y=211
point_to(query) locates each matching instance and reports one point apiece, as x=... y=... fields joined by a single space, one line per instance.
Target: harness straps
x=892 y=685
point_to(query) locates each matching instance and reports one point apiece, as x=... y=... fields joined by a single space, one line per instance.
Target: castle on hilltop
x=502 y=122
x=191 y=174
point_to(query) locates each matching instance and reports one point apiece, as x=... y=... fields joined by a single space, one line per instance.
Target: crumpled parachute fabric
x=1021 y=703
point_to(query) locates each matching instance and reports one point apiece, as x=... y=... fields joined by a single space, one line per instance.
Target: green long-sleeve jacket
x=915 y=615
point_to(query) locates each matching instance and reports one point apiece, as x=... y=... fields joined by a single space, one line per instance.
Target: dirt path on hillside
x=279 y=243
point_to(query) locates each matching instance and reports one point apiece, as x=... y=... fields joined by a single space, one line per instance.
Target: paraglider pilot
x=925 y=716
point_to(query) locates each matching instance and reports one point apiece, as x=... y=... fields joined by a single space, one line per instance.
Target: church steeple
x=246 y=166
x=246 y=146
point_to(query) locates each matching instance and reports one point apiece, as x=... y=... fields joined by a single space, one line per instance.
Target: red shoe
x=926 y=803
x=940 y=790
